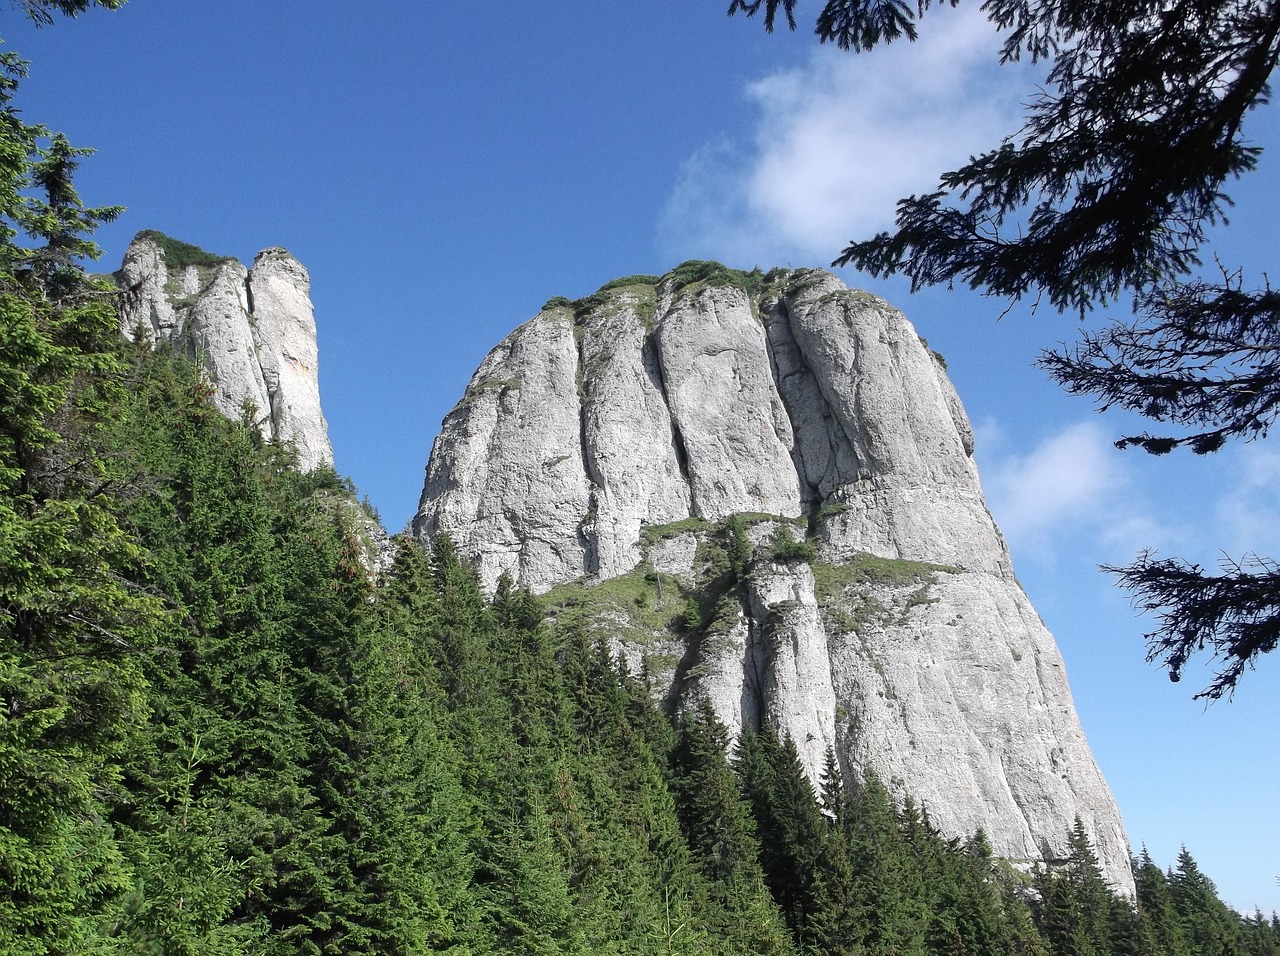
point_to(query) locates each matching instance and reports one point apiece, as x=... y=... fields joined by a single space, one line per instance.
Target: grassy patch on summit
x=179 y=254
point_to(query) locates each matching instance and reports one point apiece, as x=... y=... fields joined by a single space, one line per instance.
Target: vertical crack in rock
x=825 y=455
x=810 y=495
x=588 y=533
x=722 y=398
x=633 y=463
x=653 y=369
x=845 y=431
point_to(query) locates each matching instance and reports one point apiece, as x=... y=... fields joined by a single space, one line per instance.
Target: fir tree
x=1209 y=927
x=1077 y=911
x=72 y=623
x=788 y=820
x=1159 y=923
x=718 y=825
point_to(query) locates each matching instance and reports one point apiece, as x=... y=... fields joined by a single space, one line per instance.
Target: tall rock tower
x=253 y=331
x=761 y=488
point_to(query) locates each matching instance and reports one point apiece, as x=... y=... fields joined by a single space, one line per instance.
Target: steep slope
x=652 y=456
x=252 y=330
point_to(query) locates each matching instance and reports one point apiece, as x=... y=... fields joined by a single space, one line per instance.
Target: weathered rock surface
x=252 y=330
x=600 y=448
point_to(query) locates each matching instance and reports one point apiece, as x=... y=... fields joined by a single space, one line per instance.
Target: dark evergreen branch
x=1098 y=213
x=751 y=7
x=1234 y=616
x=1199 y=355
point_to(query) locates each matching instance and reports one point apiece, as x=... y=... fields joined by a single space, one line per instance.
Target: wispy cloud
x=1248 y=510
x=838 y=140
x=1071 y=483
x=1072 y=491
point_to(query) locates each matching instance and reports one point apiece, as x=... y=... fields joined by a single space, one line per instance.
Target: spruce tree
x=788 y=820
x=1160 y=925
x=1208 y=925
x=889 y=890
x=73 y=625
x=718 y=825
x=1078 y=913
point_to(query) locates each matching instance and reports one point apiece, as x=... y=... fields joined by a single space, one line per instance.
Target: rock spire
x=252 y=330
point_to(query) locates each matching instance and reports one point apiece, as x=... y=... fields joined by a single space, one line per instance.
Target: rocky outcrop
x=252 y=330
x=761 y=487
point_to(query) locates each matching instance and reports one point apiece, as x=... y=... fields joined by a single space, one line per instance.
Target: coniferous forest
x=220 y=734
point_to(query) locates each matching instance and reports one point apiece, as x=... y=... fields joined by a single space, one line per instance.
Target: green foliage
x=652 y=533
x=833 y=509
x=1076 y=911
x=638 y=606
x=937 y=356
x=73 y=625
x=624 y=281
x=219 y=736
x=785 y=547
x=178 y=255
x=639 y=288
x=738 y=547
x=710 y=273
x=718 y=826
x=871 y=569
x=42 y=11
x=791 y=827
x=692 y=618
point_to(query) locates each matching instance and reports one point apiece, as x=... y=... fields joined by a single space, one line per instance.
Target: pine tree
x=72 y=624
x=718 y=826
x=1209 y=927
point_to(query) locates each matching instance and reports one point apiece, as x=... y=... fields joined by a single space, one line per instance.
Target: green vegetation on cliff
x=178 y=254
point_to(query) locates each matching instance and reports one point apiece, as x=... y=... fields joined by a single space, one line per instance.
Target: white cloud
x=839 y=140
x=1248 y=510
x=1070 y=482
x=1073 y=493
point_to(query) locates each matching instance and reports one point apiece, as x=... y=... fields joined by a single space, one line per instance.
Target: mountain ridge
x=252 y=330
x=758 y=488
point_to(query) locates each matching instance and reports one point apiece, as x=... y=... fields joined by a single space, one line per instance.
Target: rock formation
x=252 y=330
x=761 y=488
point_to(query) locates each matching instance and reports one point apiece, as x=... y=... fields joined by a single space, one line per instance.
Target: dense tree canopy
x=1105 y=195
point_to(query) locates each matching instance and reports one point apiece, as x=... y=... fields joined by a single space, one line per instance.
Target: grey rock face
x=517 y=433
x=252 y=331
x=714 y=362
x=600 y=448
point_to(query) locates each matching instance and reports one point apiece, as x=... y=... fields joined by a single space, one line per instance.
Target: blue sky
x=442 y=170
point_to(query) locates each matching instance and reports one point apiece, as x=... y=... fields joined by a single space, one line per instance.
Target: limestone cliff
x=252 y=330
x=761 y=488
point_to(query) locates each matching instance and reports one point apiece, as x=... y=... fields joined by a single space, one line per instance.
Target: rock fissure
x=652 y=362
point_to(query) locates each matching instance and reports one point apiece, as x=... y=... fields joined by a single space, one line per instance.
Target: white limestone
x=252 y=331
